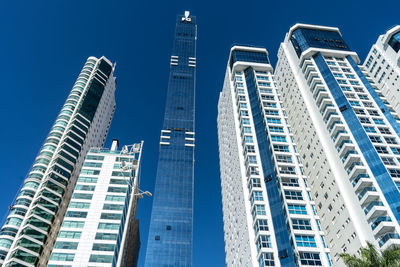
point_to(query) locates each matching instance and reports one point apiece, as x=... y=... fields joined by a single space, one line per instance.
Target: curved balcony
x=322 y=94
x=350 y=157
x=339 y=136
x=382 y=225
x=374 y=210
x=367 y=195
x=362 y=183
x=388 y=240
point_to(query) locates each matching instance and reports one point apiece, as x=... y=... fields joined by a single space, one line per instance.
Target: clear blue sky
x=44 y=44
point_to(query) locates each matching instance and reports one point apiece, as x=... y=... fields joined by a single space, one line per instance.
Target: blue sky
x=44 y=44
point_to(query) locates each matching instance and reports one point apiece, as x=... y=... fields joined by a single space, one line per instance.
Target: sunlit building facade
x=31 y=227
x=269 y=216
x=383 y=65
x=347 y=138
x=99 y=227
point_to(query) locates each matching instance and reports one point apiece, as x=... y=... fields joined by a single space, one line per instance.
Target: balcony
x=328 y=108
x=389 y=240
x=361 y=184
x=374 y=210
x=382 y=225
x=339 y=136
x=350 y=157
x=318 y=88
x=367 y=195
x=332 y=119
x=322 y=94
x=346 y=147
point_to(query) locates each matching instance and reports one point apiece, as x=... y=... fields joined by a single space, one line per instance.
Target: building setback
x=31 y=228
x=170 y=238
x=347 y=139
x=99 y=228
x=383 y=65
x=269 y=216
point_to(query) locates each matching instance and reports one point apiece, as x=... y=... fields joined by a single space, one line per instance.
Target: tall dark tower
x=170 y=239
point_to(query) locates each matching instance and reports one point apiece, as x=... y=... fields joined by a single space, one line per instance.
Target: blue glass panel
x=171 y=226
x=303 y=38
x=385 y=182
x=248 y=56
x=278 y=216
x=394 y=42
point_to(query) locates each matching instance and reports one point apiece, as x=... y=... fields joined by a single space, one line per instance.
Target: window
x=395 y=173
x=305 y=241
x=379 y=121
x=260 y=225
x=284 y=158
x=101 y=258
x=259 y=210
x=246 y=129
x=246 y=121
x=62 y=256
x=345 y=88
x=369 y=129
x=390 y=140
x=244 y=113
x=92 y=164
x=115 y=198
x=263 y=241
x=81 y=196
x=106 y=236
x=266 y=259
x=297 y=209
x=70 y=234
x=103 y=247
x=112 y=189
x=243 y=105
x=113 y=207
x=384 y=130
x=111 y=216
x=72 y=224
x=250 y=149
x=359 y=111
x=85 y=187
x=273 y=120
x=87 y=180
x=79 y=205
x=354 y=82
x=395 y=150
x=264 y=84
x=248 y=139
x=108 y=226
x=281 y=148
x=381 y=149
x=90 y=172
x=364 y=120
x=309 y=258
x=375 y=139
x=257 y=196
x=252 y=159
x=239 y=84
x=350 y=76
x=296 y=195
x=388 y=161
x=66 y=245
x=255 y=182
x=262 y=78
x=277 y=138
x=76 y=214
x=275 y=129
x=93 y=157
x=287 y=170
x=337 y=75
x=355 y=103
x=301 y=224
x=373 y=112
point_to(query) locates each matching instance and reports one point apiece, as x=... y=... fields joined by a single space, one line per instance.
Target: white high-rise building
x=348 y=139
x=99 y=227
x=29 y=232
x=383 y=65
x=269 y=217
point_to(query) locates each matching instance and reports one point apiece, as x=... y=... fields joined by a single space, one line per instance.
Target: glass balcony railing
x=361 y=175
x=367 y=189
x=379 y=220
x=371 y=205
x=388 y=236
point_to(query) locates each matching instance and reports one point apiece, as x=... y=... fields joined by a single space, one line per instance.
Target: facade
x=346 y=136
x=269 y=217
x=171 y=226
x=383 y=65
x=31 y=228
x=99 y=227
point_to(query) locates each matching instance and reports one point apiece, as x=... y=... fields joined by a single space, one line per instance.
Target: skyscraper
x=269 y=217
x=171 y=226
x=31 y=228
x=346 y=136
x=383 y=64
x=100 y=225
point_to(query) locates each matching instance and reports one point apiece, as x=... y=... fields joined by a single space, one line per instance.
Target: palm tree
x=371 y=257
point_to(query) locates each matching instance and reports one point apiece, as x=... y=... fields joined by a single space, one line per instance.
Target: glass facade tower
x=171 y=226
x=29 y=232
